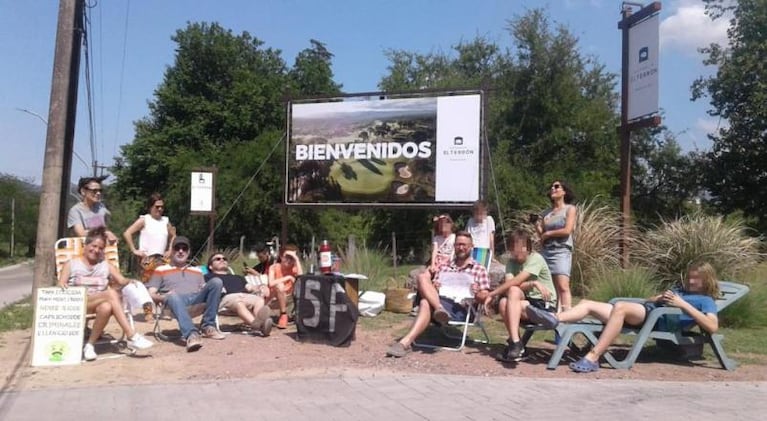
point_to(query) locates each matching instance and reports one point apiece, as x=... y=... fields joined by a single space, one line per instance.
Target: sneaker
x=139 y=342
x=397 y=350
x=441 y=316
x=261 y=317
x=542 y=317
x=282 y=323
x=211 y=332
x=89 y=354
x=513 y=352
x=266 y=327
x=193 y=342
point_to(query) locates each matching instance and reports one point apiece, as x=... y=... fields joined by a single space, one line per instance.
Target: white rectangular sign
x=455 y=285
x=202 y=192
x=643 y=68
x=457 y=149
x=59 y=326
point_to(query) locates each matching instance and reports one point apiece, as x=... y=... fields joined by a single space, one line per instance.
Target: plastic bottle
x=326 y=257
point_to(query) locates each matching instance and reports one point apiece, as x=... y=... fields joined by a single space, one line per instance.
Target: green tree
x=221 y=104
x=737 y=163
x=26 y=202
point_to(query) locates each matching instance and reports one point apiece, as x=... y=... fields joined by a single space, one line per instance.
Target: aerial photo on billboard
x=362 y=150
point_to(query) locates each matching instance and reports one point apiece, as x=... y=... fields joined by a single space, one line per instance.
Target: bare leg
x=281 y=298
x=503 y=309
x=420 y=324
x=623 y=312
x=103 y=310
x=242 y=311
x=565 y=297
x=585 y=308
x=514 y=309
x=427 y=290
x=117 y=311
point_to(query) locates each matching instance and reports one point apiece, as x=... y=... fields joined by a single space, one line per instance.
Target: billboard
x=643 y=68
x=398 y=151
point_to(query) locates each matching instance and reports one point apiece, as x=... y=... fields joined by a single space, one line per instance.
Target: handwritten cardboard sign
x=59 y=325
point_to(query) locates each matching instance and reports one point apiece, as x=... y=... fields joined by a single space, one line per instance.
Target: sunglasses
x=97 y=190
x=556 y=186
x=219 y=258
x=181 y=248
x=158 y=207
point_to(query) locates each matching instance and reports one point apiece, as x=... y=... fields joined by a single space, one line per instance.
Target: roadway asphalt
x=375 y=396
x=15 y=282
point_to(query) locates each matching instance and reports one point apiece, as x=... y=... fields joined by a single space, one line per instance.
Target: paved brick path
x=396 y=397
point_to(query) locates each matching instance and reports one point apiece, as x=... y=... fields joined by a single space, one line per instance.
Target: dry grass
x=671 y=246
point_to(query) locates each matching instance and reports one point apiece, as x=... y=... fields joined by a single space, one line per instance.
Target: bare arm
x=130 y=232
x=64 y=275
x=79 y=230
x=707 y=321
x=171 y=237
x=273 y=280
x=115 y=274
x=508 y=282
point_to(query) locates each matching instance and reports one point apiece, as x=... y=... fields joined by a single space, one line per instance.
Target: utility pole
x=59 y=140
x=13 y=225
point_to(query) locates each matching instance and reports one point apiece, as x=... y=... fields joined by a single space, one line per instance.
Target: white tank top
x=153 y=238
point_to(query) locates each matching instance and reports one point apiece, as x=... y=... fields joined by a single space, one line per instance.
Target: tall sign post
x=203 y=197
x=639 y=92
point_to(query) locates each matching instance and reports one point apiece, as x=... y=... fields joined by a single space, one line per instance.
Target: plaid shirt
x=477 y=271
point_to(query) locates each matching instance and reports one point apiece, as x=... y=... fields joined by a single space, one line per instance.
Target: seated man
x=239 y=297
x=178 y=286
x=444 y=309
x=528 y=282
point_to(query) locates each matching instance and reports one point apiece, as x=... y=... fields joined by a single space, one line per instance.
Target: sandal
x=584 y=366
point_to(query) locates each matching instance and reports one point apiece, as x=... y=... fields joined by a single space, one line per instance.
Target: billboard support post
x=647 y=93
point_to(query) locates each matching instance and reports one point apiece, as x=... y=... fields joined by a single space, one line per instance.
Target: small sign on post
x=57 y=337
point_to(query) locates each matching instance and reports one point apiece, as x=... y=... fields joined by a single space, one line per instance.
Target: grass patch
x=17 y=316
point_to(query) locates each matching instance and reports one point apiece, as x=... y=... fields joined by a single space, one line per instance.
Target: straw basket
x=397 y=300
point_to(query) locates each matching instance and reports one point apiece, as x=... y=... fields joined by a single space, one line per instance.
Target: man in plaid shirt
x=431 y=306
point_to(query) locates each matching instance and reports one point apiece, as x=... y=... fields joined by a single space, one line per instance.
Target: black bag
x=324 y=313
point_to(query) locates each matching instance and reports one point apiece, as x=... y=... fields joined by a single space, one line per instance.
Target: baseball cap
x=181 y=240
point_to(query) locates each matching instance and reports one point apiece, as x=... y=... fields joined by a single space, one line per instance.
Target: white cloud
x=689 y=28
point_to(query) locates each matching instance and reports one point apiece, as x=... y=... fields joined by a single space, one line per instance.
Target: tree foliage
x=18 y=212
x=737 y=162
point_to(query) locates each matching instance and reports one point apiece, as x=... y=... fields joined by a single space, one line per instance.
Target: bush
x=596 y=238
x=670 y=247
x=748 y=312
x=611 y=282
x=369 y=262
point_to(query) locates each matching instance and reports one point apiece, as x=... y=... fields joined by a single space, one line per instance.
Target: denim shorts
x=559 y=260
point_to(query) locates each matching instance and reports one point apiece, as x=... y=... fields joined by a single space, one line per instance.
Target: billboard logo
x=644 y=54
x=458 y=141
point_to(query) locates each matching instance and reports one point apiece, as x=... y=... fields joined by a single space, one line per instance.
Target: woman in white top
x=155 y=230
x=156 y=235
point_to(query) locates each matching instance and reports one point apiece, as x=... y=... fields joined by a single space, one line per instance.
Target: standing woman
x=156 y=233
x=556 y=232
x=89 y=213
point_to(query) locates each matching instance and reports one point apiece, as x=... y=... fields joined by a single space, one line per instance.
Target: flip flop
x=584 y=366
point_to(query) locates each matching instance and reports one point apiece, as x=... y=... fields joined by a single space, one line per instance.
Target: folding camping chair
x=457 y=287
x=729 y=293
x=68 y=248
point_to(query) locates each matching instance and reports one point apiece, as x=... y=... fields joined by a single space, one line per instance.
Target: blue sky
x=131 y=48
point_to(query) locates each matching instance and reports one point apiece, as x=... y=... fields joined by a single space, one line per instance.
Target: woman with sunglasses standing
x=89 y=213
x=156 y=236
x=555 y=230
x=155 y=231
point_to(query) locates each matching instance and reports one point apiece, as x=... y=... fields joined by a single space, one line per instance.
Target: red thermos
x=326 y=257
